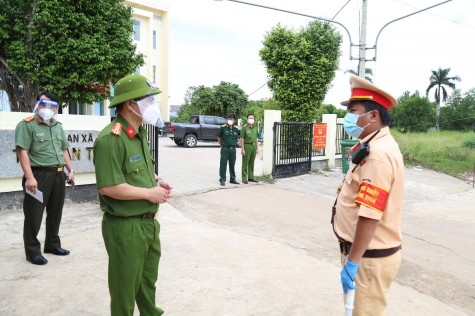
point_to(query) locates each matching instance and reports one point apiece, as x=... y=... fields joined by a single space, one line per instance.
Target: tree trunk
x=437 y=112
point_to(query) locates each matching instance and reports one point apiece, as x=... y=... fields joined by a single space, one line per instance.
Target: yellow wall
x=145 y=11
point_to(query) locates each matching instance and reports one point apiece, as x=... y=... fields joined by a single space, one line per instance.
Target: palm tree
x=368 y=73
x=440 y=79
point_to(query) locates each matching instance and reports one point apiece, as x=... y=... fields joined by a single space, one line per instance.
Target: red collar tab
x=355 y=147
x=38 y=121
x=365 y=94
x=130 y=132
x=116 y=129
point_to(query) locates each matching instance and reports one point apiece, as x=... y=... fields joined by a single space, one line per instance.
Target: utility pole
x=362 y=48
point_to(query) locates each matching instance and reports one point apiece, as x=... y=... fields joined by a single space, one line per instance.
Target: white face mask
x=150 y=109
x=46 y=114
x=48 y=109
x=230 y=122
x=250 y=121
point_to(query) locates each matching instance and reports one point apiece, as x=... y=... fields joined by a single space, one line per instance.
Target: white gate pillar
x=270 y=116
x=330 y=146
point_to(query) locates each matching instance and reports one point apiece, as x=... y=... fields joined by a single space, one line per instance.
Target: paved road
x=251 y=249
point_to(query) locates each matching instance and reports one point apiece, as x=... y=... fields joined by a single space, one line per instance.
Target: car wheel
x=178 y=142
x=190 y=141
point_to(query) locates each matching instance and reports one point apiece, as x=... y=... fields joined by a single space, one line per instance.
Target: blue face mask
x=350 y=126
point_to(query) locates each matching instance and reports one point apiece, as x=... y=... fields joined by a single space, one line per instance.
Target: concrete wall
x=81 y=131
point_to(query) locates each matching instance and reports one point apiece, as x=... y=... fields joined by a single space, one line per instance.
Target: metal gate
x=153 y=136
x=292 y=149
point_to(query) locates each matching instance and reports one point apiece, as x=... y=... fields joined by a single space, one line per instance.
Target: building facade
x=151 y=32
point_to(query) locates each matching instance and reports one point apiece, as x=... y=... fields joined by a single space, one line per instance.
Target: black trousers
x=52 y=184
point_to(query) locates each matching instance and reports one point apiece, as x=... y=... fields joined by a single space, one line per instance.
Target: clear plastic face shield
x=150 y=109
x=47 y=109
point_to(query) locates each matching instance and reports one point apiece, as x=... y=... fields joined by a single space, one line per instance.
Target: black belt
x=143 y=216
x=51 y=169
x=370 y=253
x=229 y=146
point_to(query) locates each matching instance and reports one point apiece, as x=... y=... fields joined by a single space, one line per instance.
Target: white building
x=151 y=38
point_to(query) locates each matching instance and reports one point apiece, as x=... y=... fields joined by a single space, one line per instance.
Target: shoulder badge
x=116 y=129
x=29 y=118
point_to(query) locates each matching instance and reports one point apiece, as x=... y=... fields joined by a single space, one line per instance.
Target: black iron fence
x=292 y=148
x=153 y=136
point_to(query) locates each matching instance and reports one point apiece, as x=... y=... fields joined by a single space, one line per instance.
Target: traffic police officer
x=249 y=148
x=367 y=215
x=42 y=149
x=129 y=197
x=228 y=136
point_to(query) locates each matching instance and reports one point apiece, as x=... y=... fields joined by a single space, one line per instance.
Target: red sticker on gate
x=372 y=196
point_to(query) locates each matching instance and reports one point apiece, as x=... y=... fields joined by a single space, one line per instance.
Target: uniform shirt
x=249 y=134
x=45 y=143
x=374 y=190
x=121 y=155
x=229 y=136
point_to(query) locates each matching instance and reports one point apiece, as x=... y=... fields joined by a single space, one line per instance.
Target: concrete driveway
x=265 y=249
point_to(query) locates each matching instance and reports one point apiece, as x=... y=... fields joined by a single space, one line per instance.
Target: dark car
x=201 y=128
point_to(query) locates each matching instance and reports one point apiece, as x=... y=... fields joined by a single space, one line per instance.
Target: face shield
x=47 y=109
x=150 y=110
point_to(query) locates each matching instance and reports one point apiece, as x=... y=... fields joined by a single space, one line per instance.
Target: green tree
x=368 y=73
x=329 y=109
x=301 y=66
x=440 y=79
x=73 y=48
x=459 y=112
x=217 y=100
x=413 y=114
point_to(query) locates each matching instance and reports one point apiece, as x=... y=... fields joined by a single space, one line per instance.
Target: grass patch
x=449 y=152
x=267 y=178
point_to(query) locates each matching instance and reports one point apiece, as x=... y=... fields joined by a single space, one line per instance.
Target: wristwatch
x=72 y=170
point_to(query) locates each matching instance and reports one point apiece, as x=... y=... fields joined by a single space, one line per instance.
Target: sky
x=213 y=41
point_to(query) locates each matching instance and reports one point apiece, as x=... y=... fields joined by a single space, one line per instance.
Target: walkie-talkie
x=362 y=152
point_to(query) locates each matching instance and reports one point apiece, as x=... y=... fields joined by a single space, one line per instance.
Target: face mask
x=350 y=126
x=250 y=121
x=46 y=114
x=150 y=109
x=230 y=122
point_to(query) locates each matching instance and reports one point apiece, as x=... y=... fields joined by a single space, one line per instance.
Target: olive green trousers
x=133 y=246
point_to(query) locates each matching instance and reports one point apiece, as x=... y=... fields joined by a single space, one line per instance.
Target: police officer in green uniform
x=129 y=197
x=228 y=136
x=249 y=148
x=42 y=150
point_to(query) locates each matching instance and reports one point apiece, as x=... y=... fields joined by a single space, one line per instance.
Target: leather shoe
x=58 y=251
x=39 y=260
x=253 y=180
x=233 y=182
x=244 y=181
x=222 y=183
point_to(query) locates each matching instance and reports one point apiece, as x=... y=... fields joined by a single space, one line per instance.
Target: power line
x=439 y=16
x=341 y=9
x=258 y=88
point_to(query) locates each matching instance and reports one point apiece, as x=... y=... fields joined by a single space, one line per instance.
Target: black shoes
x=233 y=182
x=58 y=251
x=39 y=260
x=244 y=181
x=253 y=180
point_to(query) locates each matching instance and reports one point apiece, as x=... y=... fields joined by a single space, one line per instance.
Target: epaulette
x=29 y=118
x=116 y=129
x=224 y=125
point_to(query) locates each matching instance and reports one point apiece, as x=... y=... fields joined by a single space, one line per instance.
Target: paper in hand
x=37 y=195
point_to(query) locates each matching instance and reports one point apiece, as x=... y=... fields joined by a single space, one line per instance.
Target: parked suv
x=201 y=128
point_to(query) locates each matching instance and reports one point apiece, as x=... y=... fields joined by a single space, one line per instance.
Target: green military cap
x=132 y=87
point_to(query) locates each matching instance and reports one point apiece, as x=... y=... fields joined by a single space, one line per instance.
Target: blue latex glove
x=348 y=274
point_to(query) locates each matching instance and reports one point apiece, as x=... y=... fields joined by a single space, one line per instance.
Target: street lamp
x=362 y=43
